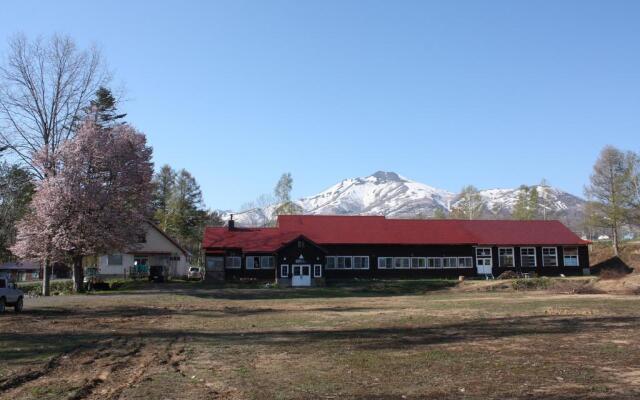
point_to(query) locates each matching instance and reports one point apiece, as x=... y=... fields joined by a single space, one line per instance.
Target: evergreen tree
x=526 y=200
x=439 y=214
x=185 y=207
x=103 y=109
x=178 y=209
x=163 y=186
x=533 y=203
x=16 y=191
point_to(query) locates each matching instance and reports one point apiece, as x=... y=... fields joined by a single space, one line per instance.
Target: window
x=214 y=263
x=361 y=262
x=141 y=238
x=284 y=270
x=483 y=251
x=114 y=259
x=549 y=257
x=570 y=256
x=528 y=256
x=252 y=262
x=317 y=271
x=260 y=262
x=449 y=262
x=465 y=262
x=3 y=284
x=401 y=262
x=385 y=262
x=418 y=262
x=344 y=262
x=505 y=257
x=434 y=263
x=233 y=262
x=347 y=262
x=267 y=262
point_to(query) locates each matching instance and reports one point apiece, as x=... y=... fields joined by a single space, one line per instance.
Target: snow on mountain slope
x=552 y=201
x=383 y=193
x=387 y=193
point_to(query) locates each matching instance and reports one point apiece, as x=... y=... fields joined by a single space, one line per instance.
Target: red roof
x=330 y=229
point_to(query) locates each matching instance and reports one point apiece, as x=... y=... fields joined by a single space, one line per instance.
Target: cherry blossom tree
x=97 y=201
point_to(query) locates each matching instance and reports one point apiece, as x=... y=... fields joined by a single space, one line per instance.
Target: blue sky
x=492 y=93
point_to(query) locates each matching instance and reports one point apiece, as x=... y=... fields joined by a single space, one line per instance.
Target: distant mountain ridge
x=392 y=195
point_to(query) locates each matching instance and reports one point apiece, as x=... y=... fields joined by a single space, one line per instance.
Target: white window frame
x=363 y=258
x=419 y=260
x=271 y=264
x=564 y=257
x=317 y=267
x=234 y=258
x=249 y=262
x=555 y=254
x=481 y=250
x=446 y=262
x=513 y=257
x=284 y=267
x=470 y=262
x=436 y=261
x=401 y=261
x=344 y=262
x=382 y=262
x=535 y=257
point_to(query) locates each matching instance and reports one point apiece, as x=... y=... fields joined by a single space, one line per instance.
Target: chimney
x=231 y=224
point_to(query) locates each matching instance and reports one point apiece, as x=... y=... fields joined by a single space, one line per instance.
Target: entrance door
x=484 y=266
x=301 y=275
x=140 y=266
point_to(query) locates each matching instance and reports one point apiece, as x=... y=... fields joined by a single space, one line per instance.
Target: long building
x=306 y=250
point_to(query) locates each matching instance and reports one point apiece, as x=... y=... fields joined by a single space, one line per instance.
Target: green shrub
x=58 y=287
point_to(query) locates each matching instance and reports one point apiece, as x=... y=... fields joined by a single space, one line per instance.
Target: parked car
x=156 y=273
x=195 y=273
x=10 y=295
x=93 y=281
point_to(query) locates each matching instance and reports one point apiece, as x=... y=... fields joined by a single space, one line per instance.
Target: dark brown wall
x=315 y=255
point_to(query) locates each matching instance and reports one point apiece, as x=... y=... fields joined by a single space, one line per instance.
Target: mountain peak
x=384 y=176
x=390 y=194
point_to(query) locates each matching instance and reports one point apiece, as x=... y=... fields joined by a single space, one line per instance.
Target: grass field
x=383 y=340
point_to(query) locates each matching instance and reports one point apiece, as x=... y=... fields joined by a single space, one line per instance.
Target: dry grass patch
x=258 y=344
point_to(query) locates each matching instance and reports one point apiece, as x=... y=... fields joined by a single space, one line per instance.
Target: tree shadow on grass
x=385 y=338
x=254 y=291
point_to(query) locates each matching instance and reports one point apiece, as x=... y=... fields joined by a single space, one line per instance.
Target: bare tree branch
x=44 y=85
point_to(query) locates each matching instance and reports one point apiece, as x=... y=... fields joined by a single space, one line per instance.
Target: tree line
x=81 y=182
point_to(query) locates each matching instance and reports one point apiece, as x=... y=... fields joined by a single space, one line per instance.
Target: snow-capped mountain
x=387 y=193
x=383 y=193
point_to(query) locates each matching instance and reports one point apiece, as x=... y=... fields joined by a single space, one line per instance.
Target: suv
x=195 y=273
x=156 y=273
x=10 y=295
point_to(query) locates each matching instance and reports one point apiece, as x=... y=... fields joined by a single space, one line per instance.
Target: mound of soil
x=508 y=275
x=611 y=268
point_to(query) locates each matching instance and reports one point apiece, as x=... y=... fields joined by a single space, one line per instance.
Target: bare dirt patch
x=192 y=343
